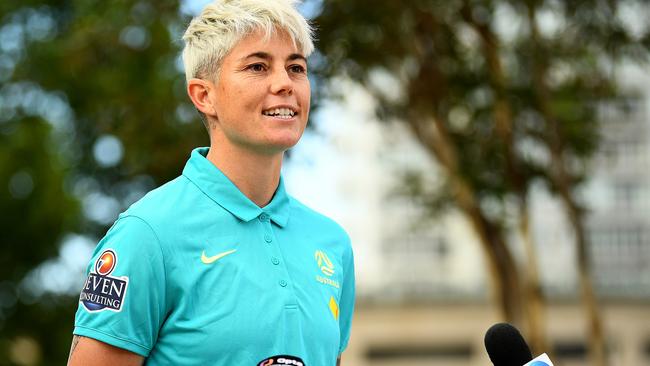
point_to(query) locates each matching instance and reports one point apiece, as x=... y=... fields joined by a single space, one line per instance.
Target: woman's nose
x=281 y=82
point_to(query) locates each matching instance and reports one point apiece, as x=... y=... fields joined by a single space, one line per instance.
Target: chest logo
x=324 y=263
x=327 y=268
x=208 y=260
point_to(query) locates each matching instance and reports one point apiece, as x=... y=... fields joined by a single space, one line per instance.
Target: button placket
x=278 y=263
x=274 y=252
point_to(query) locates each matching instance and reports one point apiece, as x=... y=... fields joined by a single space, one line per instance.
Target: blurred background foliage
x=504 y=95
x=93 y=114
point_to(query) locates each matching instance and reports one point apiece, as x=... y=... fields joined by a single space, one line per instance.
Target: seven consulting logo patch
x=101 y=290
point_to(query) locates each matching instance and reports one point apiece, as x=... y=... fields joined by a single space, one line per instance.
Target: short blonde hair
x=222 y=23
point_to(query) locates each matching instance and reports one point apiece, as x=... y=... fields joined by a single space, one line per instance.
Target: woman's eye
x=256 y=67
x=299 y=69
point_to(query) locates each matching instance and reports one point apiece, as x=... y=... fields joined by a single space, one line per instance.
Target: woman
x=221 y=266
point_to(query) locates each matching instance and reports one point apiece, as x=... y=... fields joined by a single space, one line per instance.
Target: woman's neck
x=256 y=175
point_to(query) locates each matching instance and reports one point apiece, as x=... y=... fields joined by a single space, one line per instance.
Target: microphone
x=506 y=346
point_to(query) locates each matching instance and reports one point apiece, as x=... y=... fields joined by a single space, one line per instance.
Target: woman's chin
x=282 y=146
x=274 y=146
x=284 y=141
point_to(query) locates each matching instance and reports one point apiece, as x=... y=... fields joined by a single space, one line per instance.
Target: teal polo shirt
x=195 y=273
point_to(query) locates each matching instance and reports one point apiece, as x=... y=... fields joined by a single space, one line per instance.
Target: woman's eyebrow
x=296 y=56
x=267 y=56
x=262 y=55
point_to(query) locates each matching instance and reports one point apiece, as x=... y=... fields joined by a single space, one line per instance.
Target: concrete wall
x=452 y=335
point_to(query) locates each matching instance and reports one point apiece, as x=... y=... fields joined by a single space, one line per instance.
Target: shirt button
x=268 y=238
x=275 y=261
x=283 y=283
x=264 y=217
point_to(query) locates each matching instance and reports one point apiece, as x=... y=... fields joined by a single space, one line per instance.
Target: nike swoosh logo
x=207 y=260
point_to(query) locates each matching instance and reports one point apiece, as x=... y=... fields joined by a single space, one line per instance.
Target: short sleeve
x=122 y=302
x=346 y=303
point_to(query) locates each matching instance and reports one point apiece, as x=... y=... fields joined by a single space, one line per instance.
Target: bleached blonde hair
x=222 y=23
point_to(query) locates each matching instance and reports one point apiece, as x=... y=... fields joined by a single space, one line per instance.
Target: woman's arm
x=87 y=351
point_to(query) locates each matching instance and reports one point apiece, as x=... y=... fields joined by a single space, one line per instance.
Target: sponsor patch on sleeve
x=102 y=291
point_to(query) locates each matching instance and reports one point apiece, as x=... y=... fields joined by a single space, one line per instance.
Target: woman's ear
x=200 y=92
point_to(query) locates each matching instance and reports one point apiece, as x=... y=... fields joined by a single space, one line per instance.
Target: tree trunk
x=504 y=126
x=501 y=265
x=561 y=179
x=535 y=303
x=430 y=128
x=596 y=339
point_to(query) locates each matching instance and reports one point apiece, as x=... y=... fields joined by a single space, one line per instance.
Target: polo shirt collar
x=211 y=181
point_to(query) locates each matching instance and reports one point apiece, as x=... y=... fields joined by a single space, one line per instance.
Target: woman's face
x=262 y=94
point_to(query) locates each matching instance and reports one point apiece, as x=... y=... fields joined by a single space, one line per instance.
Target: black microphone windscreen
x=506 y=346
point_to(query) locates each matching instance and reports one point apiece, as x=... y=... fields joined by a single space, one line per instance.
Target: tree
x=92 y=104
x=481 y=87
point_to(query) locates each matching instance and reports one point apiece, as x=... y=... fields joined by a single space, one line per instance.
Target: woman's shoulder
x=315 y=220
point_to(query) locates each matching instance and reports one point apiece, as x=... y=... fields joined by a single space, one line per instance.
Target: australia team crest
x=327 y=268
x=102 y=291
